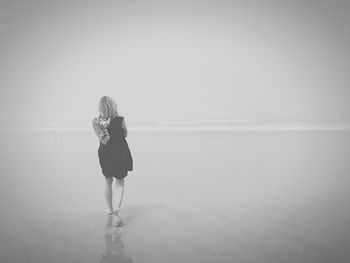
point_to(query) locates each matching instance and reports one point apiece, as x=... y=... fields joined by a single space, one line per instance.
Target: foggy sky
x=174 y=59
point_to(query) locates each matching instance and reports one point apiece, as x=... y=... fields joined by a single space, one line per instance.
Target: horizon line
x=246 y=124
x=237 y=128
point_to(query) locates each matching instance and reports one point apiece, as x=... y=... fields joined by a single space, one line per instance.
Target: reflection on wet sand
x=115 y=248
x=231 y=197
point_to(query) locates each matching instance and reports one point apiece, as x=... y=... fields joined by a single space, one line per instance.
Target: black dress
x=115 y=157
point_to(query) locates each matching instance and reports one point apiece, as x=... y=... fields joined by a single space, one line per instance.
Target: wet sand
x=194 y=196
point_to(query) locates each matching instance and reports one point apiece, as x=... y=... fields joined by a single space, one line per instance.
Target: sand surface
x=194 y=196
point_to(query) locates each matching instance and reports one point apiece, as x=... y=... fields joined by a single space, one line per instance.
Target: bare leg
x=119 y=193
x=109 y=194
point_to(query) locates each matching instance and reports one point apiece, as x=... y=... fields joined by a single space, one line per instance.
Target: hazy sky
x=174 y=59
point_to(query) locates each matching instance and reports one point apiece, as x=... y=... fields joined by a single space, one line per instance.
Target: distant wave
x=193 y=125
x=209 y=122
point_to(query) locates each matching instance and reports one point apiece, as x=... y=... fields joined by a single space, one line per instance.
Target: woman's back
x=116 y=154
x=115 y=130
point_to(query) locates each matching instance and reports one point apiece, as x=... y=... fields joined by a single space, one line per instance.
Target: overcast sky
x=174 y=59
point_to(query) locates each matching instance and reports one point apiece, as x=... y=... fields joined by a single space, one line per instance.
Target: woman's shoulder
x=119 y=117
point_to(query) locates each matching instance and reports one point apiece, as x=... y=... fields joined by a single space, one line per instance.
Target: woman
x=114 y=154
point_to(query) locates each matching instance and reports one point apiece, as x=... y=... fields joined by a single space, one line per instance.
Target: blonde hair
x=108 y=107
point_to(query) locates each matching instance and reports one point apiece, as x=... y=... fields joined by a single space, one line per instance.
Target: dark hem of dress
x=118 y=175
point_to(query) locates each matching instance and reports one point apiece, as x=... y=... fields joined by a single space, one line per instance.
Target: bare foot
x=109 y=211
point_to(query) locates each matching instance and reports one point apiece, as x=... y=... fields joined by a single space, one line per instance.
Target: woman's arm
x=124 y=128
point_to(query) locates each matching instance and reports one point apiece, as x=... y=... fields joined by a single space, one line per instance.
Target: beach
x=193 y=196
